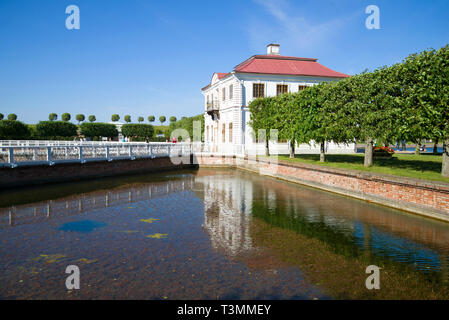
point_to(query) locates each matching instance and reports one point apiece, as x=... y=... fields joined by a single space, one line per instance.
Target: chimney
x=273 y=49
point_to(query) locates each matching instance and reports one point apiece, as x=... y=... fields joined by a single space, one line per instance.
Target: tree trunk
x=267 y=148
x=445 y=168
x=369 y=153
x=418 y=147
x=435 y=146
x=292 y=148
x=322 y=151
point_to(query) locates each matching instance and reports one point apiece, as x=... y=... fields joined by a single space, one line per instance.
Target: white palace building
x=228 y=95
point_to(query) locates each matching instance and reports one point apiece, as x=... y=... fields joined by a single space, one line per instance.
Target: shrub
x=382 y=152
x=80 y=118
x=138 y=130
x=92 y=118
x=12 y=116
x=93 y=130
x=52 y=117
x=115 y=117
x=13 y=130
x=52 y=129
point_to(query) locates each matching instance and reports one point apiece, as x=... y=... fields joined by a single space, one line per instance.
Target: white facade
x=226 y=111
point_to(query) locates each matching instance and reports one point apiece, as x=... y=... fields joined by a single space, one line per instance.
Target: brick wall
x=418 y=196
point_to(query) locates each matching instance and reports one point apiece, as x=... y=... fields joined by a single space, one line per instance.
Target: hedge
x=13 y=130
x=138 y=130
x=52 y=129
x=91 y=130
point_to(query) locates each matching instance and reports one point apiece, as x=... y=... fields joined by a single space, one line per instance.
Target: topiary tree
x=151 y=118
x=173 y=119
x=53 y=129
x=127 y=118
x=66 y=117
x=115 y=117
x=138 y=130
x=93 y=130
x=13 y=130
x=92 y=118
x=80 y=118
x=140 y=119
x=52 y=117
x=162 y=119
x=12 y=117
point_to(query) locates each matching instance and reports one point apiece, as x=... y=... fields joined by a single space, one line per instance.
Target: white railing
x=14 y=156
x=47 y=143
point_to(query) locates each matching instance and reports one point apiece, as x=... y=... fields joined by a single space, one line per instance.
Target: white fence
x=14 y=156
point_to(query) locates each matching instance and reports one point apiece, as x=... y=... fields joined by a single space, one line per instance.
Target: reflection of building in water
x=227 y=204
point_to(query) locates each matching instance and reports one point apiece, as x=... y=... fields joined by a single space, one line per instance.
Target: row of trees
x=406 y=101
x=115 y=117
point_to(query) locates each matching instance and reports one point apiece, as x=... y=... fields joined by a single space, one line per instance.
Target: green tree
x=95 y=130
x=92 y=118
x=52 y=117
x=140 y=119
x=264 y=116
x=80 y=118
x=162 y=119
x=115 y=117
x=151 y=118
x=66 y=117
x=12 y=116
x=173 y=119
x=138 y=130
x=424 y=80
x=187 y=123
x=13 y=130
x=127 y=118
x=53 y=129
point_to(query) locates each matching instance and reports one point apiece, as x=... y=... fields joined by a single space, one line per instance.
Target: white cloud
x=290 y=29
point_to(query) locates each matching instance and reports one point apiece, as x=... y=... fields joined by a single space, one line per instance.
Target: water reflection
x=216 y=234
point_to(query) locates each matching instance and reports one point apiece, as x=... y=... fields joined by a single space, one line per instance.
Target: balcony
x=213 y=108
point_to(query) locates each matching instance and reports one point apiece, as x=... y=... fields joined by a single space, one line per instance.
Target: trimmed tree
x=162 y=119
x=53 y=129
x=93 y=130
x=173 y=119
x=151 y=118
x=127 y=118
x=264 y=116
x=138 y=130
x=12 y=117
x=52 y=117
x=80 y=118
x=92 y=118
x=115 y=117
x=66 y=117
x=13 y=130
x=140 y=119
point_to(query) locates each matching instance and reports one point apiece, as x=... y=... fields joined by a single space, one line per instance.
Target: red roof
x=284 y=65
x=272 y=64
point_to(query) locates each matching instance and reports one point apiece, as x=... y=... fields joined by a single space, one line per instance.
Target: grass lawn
x=406 y=165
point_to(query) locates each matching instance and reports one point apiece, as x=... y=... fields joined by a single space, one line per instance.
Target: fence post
x=81 y=154
x=150 y=151
x=11 y=156
x=168 y=148
x=131 y=151
x=108 y=156
x=49 y=154
x=35 y=155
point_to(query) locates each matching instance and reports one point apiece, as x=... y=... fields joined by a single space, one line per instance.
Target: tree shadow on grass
x=419 y=165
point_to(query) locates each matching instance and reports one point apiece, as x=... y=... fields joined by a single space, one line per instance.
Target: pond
x=213 y=234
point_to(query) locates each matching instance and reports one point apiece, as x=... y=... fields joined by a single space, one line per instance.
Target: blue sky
x=143 y=57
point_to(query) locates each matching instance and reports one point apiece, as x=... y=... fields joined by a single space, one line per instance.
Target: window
x=223 y=133
x=223 y=91
x=258 y=90
x=231 y=92
x=281 y=89
x=230 y=132
x=301 y=88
